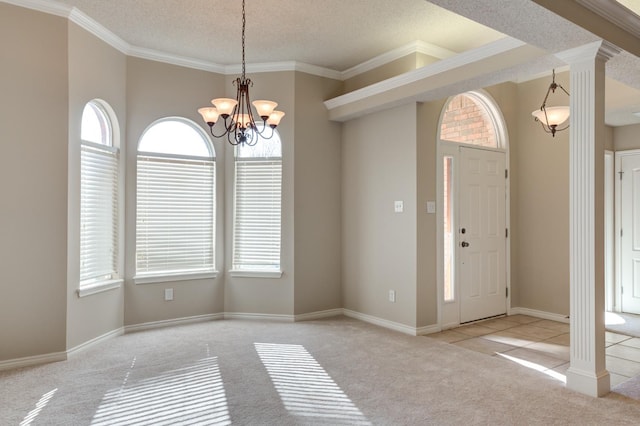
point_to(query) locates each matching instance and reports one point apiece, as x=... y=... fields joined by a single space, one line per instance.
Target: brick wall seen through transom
x=467 y=121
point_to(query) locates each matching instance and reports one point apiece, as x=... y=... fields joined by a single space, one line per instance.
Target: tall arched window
x=98 y=196
x=257 y=206
x=175 y=222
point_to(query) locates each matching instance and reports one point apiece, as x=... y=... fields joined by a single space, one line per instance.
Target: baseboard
x=319 y=315
x=167 y=323
x=261 y=317
x=96 y=340
x=33 y=360
x=381 y=322
x=428 y=329
x=539 y=314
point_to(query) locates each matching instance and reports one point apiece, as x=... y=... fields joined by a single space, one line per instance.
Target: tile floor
x=541 y=344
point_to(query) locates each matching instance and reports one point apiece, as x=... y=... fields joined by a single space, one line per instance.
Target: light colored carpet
x=333 y=371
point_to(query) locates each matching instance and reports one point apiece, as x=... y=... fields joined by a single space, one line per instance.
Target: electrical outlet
x=392 y=296
x=168 y=294
x=398 y=206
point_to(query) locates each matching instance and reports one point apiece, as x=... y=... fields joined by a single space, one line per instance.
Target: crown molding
x=168 y=58
x=615 y=13
x=463 y=59
x=98 y=30
x=400 y=52
x=89 y=24
x=284 y=66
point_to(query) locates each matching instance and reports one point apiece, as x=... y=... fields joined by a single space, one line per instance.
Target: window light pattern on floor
x=305 y=388
x=44 y=400
x=192 y=395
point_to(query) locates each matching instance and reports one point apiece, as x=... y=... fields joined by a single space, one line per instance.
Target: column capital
x=601 y=49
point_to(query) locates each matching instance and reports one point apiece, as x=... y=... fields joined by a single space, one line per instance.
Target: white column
x=587 y=373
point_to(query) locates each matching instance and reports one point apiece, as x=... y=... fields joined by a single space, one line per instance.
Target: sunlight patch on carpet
x=305 y=387
x=537 y=367
x=192 y=395
x=44 y=400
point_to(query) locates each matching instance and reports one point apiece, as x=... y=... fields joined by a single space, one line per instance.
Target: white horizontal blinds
x=175 y=222
x=258 y=202
x=98 y=213
x=175 y=214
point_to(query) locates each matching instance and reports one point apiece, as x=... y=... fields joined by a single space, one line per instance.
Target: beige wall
x=96 y=71
x=394 y=68
x=33 y=182
x=626 y=137
x=542 y=216
x=273 y=296
x=378 y=245
x=317 y=197
x=427 y=247
x=157 y=90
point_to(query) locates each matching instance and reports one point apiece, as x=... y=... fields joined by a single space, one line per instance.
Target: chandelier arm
x=564 y=90
x=264 y=129
x=544 y=101
x=226 y=129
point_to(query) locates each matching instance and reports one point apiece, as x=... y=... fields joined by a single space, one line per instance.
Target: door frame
x=610 y=250
x=448 y=313
x=617 y=290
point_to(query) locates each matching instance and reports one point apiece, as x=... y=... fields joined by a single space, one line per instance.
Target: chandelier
x=552 y=117
x=240 y=126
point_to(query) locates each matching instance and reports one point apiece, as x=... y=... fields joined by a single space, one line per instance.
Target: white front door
x=482 y=234
x=630 y=233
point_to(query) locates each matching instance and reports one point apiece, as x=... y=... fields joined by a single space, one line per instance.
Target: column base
x=592 y=384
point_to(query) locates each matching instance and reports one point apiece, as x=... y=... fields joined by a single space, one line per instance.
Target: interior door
x=482 y=234
x=630 y=233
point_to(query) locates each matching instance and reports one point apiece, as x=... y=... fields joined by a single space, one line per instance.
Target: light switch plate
x=168 y=294
x=398 y=206
x=431 y=206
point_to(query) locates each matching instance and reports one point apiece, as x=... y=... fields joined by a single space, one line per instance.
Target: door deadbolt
x=463 y=230
x=465 y=244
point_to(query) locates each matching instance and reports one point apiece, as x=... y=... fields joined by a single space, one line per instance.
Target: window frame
x=155 y=276
x=255 y=271
x=108 y=149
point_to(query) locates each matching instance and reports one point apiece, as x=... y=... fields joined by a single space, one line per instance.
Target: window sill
x=255 y=274
x=99 y=287
x=163 y=278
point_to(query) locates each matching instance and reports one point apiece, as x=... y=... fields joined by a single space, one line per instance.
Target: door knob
x=465 y=244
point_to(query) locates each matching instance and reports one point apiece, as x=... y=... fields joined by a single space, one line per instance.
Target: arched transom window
x=467 y=120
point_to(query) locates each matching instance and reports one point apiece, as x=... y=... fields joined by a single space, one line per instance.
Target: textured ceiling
x=340 y=34
x=335 y=34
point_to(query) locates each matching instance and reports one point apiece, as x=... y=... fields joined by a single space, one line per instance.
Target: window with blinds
x=257 y=206
x=98 y=198
x=175 y=212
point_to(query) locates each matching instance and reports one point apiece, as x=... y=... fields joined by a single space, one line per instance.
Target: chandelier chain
x=244 y=23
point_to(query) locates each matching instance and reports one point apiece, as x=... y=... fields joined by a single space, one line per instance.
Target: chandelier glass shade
x=552 y=118
x=240 y=125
